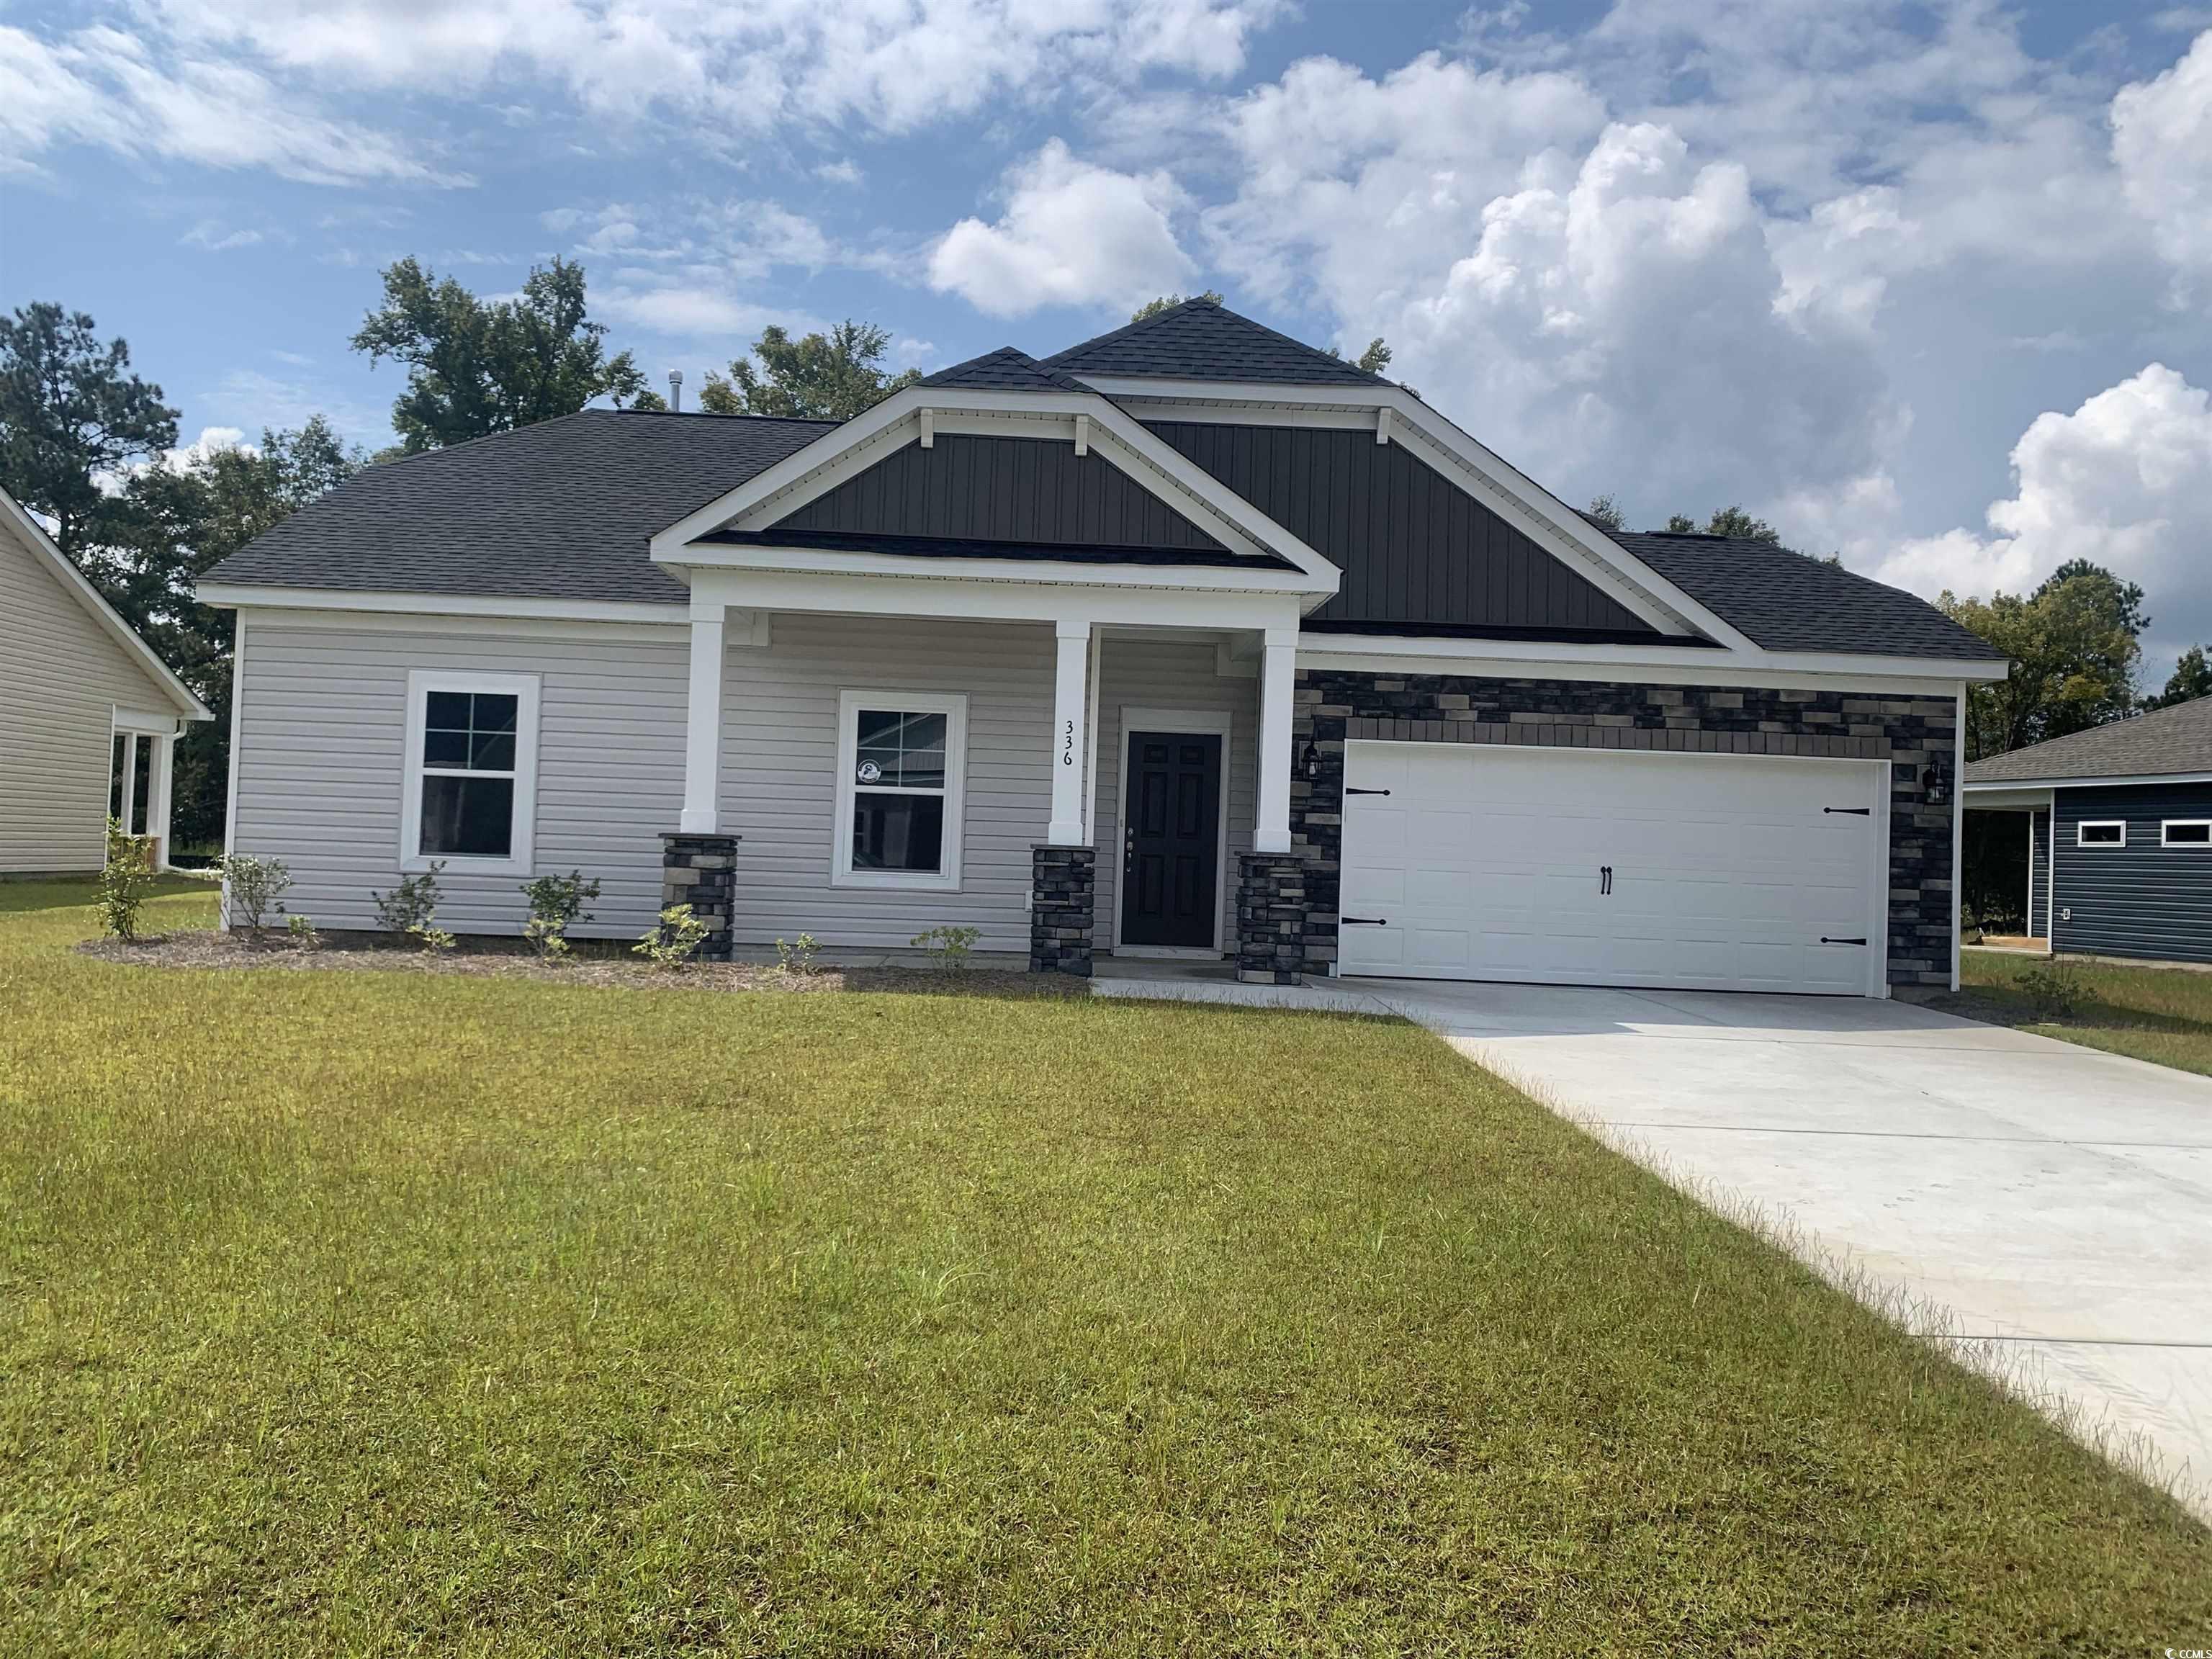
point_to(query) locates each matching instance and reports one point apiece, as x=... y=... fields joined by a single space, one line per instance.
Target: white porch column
x=1278 y=660
x=128 y=817
x=159 y=778
x=1071 y=724
x=703 y=727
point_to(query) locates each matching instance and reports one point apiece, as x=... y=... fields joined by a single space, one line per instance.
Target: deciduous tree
x=817 y=377
x=2072 y=646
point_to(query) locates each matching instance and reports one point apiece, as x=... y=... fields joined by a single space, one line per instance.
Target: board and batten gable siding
x=780 y=774
x=1413 y=546
x=1167 y=675
x=2140 y=900
x=322 y=743
x=62 y=677
x=1004 y=489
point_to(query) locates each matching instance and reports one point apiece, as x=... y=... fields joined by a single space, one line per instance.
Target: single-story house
x=93 y=715
x=2119 y=825
x=1188 y=640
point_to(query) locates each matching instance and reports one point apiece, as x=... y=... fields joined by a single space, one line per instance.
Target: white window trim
x=523 y=688
x=2082 y=827
x=953 y=705
x=2167 y=826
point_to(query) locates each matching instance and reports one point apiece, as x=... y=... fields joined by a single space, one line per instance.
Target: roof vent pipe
x=676 y=390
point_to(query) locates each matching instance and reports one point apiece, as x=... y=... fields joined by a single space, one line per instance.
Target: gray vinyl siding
x=1170 y=674
x=322 y=742
x=62 y=676
x=1008 y=490
x=1412 y=545
x=2139 y=900
x=2038 y=875
x=779 y=774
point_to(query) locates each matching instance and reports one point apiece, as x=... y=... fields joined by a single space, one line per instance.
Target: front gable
x=973 y=486
x=1415 y=550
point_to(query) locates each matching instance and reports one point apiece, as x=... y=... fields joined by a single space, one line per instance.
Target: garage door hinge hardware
x=1825 y=940
x=1349 y=790
x=1852 y=811
x=1363 y=921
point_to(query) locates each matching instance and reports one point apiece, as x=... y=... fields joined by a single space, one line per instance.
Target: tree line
x=90 y=446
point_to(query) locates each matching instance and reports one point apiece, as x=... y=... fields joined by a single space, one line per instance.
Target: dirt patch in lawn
x=594 y=962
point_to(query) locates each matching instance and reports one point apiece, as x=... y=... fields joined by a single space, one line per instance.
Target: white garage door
x=1607 y=867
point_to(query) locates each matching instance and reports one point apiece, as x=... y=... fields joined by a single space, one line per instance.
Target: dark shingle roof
x=1005 y=369
x=1199 y=340
x=1786 y=602
x=563 y=509
x=2166 y=741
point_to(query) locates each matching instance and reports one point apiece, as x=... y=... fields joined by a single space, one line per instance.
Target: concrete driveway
x=2050 y=1198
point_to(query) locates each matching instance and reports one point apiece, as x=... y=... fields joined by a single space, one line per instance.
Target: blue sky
x=1927 y=283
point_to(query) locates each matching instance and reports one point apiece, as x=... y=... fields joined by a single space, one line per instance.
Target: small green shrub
x=2055 y=987
x=950 y=947
x=301 y=931
x=412 y=905
x=673 y=944
x=434 y=940
x=556 y=901
x=125 y=879
x=797 y=955
x=255 y=887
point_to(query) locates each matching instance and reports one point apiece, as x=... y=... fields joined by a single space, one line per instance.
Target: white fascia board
x=33 y=535
x=1518 y=498
x=867 y=438
x=842 y=592
x=2132 y=782
x=1043 y=573
x=1545 y=660
x=1994 y=795
x=240 y=595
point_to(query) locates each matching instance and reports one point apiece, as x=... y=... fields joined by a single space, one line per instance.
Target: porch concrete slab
x=2047 y=1199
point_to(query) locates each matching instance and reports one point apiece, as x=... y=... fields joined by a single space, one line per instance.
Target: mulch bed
x=595 y=963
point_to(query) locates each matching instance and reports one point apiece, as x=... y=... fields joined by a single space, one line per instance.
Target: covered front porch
x=1081 y=769
x=2007 y=865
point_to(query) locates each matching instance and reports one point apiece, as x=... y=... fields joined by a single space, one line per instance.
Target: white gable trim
x=1504 y=488
x=33 y=535
x=868 y=439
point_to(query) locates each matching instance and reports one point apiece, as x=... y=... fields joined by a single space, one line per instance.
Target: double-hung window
x=900 y=760
x=472 y=778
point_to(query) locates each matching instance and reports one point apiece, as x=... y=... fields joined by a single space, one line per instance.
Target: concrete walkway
x=2050 y=1202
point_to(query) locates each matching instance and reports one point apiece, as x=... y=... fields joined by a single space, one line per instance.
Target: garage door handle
x=1851 y=811
x=1363 y=921
x=1351 y=790
x=1825 y=940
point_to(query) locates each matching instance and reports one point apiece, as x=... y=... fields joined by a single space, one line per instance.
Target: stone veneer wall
x=701 y=871
x=1272 y=925
x=1061 y=912
x=1911 y=733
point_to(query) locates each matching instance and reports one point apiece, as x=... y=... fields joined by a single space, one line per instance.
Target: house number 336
x=1067 y=745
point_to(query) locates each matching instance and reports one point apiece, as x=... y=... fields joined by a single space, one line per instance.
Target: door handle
x=1604 y=879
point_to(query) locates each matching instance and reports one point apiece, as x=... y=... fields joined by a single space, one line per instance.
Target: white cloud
x=105 y=88
x=211 y=235
x=2125 y=480
x=2162 y=142
x=839 y=172
x=1071 y=233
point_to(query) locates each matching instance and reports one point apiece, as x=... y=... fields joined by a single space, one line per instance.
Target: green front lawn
x=387 y=1313
x=2160 y=1014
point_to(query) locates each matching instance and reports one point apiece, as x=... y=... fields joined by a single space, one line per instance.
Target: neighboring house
x=2118 y=821
x=92 y=715
x=1190 y=639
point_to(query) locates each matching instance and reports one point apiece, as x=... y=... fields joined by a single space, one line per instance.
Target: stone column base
x=1061 y=882
x=1271 y=918
x=701 y=871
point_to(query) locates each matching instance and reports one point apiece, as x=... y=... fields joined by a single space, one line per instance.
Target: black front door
x=1171 y=839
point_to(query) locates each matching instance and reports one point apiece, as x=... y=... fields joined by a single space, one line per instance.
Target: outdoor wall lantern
x=1931 y=780
x=1308 y=757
